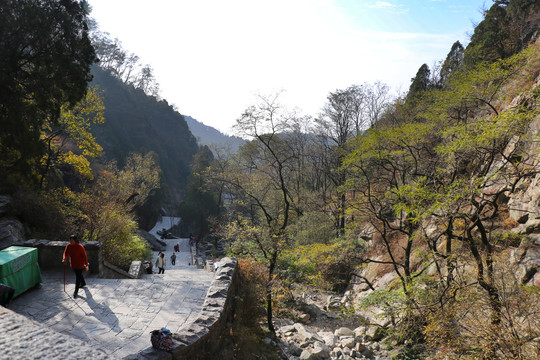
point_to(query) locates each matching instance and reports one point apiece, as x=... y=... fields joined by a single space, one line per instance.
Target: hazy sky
x=212 y=57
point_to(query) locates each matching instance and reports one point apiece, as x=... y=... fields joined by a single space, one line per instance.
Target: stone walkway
x=118 y=315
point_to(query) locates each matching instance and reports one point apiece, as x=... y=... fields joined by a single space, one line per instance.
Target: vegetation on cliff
x=422 y=191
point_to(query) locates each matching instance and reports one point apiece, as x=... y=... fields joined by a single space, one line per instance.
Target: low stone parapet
x=50 y=253
x=201 y=338
x=110 y=271
x=196 y=259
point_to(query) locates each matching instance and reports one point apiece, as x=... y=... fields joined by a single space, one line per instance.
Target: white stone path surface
x=118 y=315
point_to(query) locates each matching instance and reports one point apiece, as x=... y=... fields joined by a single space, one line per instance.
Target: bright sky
x=212 y=57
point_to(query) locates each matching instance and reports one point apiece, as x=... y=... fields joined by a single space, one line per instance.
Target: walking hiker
x=160 y=263
x=78 y=261
x=173 y=259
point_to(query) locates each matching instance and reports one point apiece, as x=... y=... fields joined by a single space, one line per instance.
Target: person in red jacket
x=78 y=261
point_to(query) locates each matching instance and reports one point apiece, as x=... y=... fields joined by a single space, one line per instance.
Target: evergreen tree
x=420 y=83
x=506 y=29
x=200 y=203
x=45 y=63
x=453 y=62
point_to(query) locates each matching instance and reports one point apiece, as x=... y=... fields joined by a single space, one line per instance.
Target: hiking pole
x=64 y=275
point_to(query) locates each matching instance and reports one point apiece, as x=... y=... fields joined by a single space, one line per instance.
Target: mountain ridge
x=210 y=136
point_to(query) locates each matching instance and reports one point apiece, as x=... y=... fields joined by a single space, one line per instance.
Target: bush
x=324 y=266
x=41 y=213
x=313 y=228
x=119 y=243
x=462 y=328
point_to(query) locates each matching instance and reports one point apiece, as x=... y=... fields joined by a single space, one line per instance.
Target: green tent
x=19 y=268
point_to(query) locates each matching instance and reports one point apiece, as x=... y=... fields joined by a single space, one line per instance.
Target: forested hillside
x=55 y=177
x=418 y=213
x=138 y=123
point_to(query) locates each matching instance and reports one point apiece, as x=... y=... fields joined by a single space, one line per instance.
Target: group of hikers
x=161 y=262
x=79 y=262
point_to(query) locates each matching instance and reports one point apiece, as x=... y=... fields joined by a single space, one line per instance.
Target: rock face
x=155 y=243
x=5 y=205
x=526 y=260
x=11 y=229
x=11 y=232
x=523 y=211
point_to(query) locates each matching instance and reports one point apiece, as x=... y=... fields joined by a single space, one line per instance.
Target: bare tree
x=261 y=180
x=377 y=100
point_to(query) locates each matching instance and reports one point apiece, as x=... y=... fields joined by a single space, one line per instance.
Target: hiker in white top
x=160 y=263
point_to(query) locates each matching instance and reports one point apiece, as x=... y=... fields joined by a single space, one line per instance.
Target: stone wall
x=200 y=339
x=50 y=257
x=50 y=253
x=110 y=271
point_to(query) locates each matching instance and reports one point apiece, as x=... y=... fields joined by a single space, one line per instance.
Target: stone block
x=343 y=331
x=328 y=337
x=136 y=269
x=348 y=342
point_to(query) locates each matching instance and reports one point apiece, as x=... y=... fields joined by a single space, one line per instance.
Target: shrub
x=462 y=328
x=313 y=228
x=41 y=213
x=119 y=243
x=324 y=266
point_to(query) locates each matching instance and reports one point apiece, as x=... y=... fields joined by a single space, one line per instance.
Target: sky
x=212 y=58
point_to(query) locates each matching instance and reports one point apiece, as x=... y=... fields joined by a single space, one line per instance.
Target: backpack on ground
x=161 y=339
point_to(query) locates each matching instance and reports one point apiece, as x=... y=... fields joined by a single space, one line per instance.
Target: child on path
x=173 y=259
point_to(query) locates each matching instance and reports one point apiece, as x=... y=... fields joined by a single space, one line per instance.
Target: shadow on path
x=100 y=311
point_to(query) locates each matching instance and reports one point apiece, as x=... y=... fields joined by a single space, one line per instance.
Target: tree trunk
x=269 y=296
x=491 y=289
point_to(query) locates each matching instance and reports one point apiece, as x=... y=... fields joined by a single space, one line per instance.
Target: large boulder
x=11 y=229
x=526 y=261
x=343 y=331
x=328 y=337
x=5 y=205
x=11 y=232
x=155 y=243
x=319 y=351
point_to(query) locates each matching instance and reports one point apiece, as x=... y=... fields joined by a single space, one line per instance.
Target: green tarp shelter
x=19 y=268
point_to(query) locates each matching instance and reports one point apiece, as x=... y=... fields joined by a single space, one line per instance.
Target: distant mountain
x=207 y=135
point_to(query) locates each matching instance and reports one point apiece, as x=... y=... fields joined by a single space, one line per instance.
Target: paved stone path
x=118 y=315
